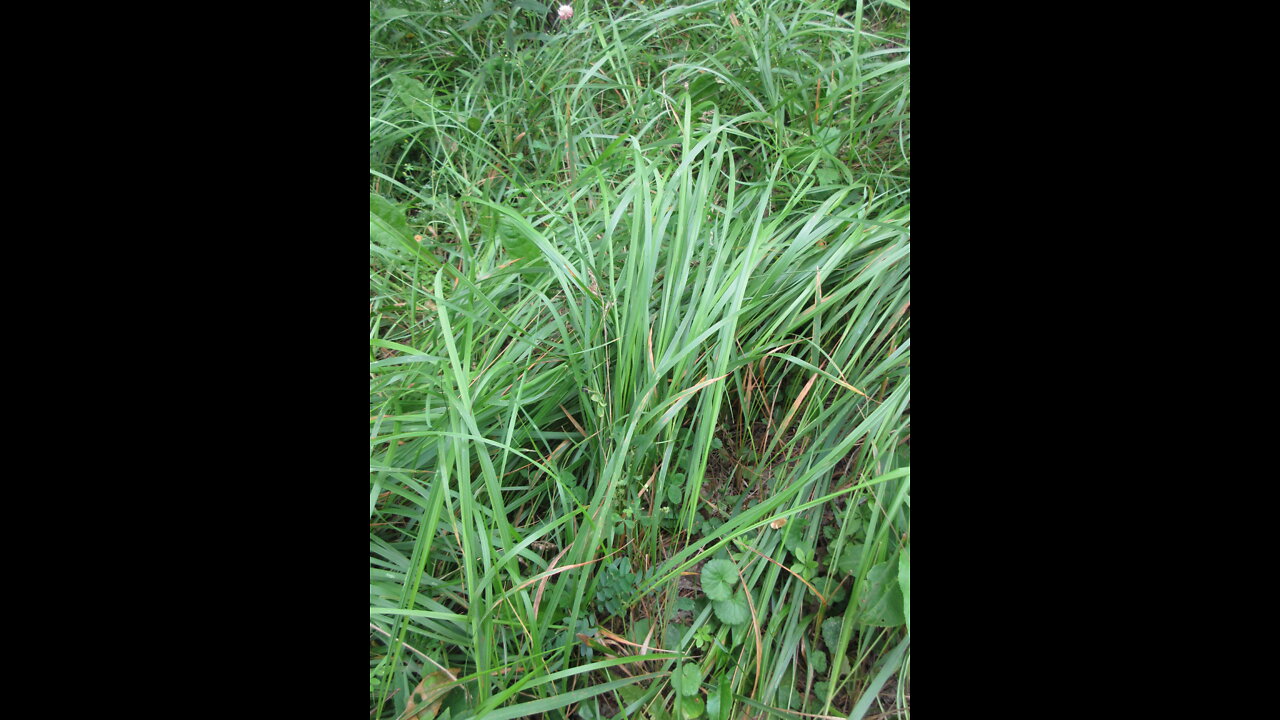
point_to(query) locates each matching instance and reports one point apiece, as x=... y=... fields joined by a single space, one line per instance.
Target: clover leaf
x=702 y=637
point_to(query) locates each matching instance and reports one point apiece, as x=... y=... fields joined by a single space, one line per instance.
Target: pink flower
x=565 y=12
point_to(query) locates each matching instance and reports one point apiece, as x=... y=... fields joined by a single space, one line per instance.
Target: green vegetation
x=639 y=359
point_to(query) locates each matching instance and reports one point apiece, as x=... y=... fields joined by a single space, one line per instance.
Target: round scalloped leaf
x=690 y=679
x=818 y=659
x=733 y=611
x=693 y=707
x=718 y=579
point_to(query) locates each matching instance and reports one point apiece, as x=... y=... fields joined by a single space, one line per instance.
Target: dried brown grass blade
x=796 y=405
x=643 y=648
x=537 y=598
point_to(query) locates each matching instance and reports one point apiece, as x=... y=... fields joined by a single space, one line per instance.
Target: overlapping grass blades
x=627 y=278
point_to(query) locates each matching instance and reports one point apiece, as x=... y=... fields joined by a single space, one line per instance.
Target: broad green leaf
x=387 y=223
x=725 y=697
x=733 y=611
x=820 y=691
x=818 y=659
x=430 y=692
x=831 y=588
x=690 y=679
x=692 y=706
x=636 y=633
x=631 y=693
x=415 y=96
x=855 y=525
x=516 y=242
x=533 y=6
x=831 y=632
x=880 y=599
x=675 y=632
x=718 y=579
x=827 y=176
x=851 y=558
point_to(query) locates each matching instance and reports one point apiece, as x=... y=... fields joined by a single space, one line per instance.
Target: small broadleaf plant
x=718 y=579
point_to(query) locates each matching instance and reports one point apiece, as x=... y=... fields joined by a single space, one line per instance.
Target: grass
x=639 y=360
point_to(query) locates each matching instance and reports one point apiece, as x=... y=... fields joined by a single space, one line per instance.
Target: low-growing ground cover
x=639 y=359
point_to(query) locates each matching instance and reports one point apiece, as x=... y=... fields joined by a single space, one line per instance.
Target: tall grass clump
x=639 y=357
